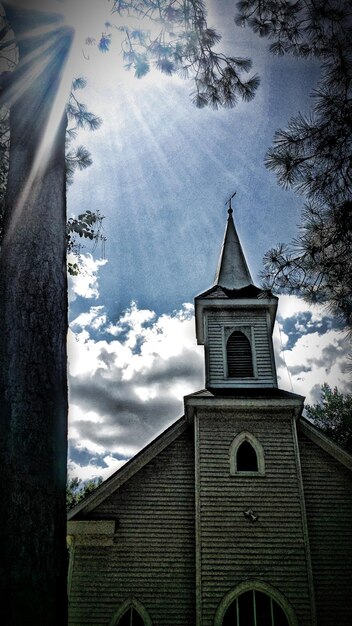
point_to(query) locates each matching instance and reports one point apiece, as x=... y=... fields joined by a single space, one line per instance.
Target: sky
x=161 y=175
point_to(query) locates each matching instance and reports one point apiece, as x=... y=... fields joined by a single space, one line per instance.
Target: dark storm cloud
x=331 y=353
x=127 y=420
x=181 y=367
x=299 y=369
x=84 y=457
x=129 y=417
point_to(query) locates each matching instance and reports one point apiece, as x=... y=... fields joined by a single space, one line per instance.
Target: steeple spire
x=234 y=321
x=232 y=272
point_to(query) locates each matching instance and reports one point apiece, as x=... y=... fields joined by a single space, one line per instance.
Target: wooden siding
x=261 y=350
x=328 y=496
x=153 y=557
x=232 y=549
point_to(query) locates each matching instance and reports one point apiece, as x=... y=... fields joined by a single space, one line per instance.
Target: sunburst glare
x=45 y=29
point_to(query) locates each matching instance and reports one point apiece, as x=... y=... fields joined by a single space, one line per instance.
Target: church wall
x=328 y=495
x=231 y=548
x=257 y=320
x=153 y=555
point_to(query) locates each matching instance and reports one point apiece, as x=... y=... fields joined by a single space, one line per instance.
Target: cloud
x=128 y=376
x=291 y=306
x=126 y=389
x=309 y=350
x=86 y=283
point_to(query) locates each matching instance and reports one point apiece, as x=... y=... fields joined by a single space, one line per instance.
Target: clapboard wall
x=230 y=548
x=153 y=554
x=258 y=324
x=328 y=496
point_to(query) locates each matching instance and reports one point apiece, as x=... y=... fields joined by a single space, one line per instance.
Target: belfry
x=239 y=514
x=235 y=323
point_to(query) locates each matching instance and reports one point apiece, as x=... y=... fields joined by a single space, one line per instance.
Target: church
x=240 y=513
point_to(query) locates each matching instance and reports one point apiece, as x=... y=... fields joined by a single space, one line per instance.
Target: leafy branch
x=312 y=155
x=78 y=158
x=333 y=415
x=314 y=265
x=76 y=490
x=87 y=225
x=180 y=42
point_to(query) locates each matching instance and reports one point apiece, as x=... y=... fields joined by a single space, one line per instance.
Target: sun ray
x=58 y=19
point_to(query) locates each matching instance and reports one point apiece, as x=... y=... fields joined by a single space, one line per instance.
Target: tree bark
x=33 y=328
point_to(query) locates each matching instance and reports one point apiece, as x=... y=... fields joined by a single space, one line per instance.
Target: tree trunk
x=33 y=328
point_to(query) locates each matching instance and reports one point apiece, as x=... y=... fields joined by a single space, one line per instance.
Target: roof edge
x=247 y=291
x=265 y=399
x=324 y=442
x=130 y=468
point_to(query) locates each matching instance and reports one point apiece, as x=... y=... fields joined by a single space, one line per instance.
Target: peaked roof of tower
x=232 y=272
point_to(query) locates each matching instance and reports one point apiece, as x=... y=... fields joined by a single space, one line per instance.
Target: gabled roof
x=317 y=436
x=175 y=430
x=232 y=272
x=123 y=474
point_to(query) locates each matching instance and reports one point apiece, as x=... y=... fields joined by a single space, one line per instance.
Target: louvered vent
x=239 y=356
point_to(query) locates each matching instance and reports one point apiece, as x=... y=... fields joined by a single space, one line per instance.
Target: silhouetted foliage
x=78 y=158
x=313 y=154
x=87 y=225
x=317 y=264
x=77 y=489
x=181 y=42
x=333 y=415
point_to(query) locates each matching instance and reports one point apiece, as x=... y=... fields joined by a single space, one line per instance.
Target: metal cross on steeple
x=228 y=202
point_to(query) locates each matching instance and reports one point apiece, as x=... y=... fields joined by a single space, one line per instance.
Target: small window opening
x=131 y=618
x=246 y=458
x=246 y=455
x=239 y=356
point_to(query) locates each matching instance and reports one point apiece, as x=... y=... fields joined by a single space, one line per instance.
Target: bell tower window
x=239 y=356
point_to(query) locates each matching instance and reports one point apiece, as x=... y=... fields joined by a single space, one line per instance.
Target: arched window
x=255 y=603
x=239 y=356
x=131 y=613
x=246 y=455
x=131 y=618
x=254 y=607
x=246 y=458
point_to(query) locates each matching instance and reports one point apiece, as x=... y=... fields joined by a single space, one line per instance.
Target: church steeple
x=234 y=321
x=232 y=271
